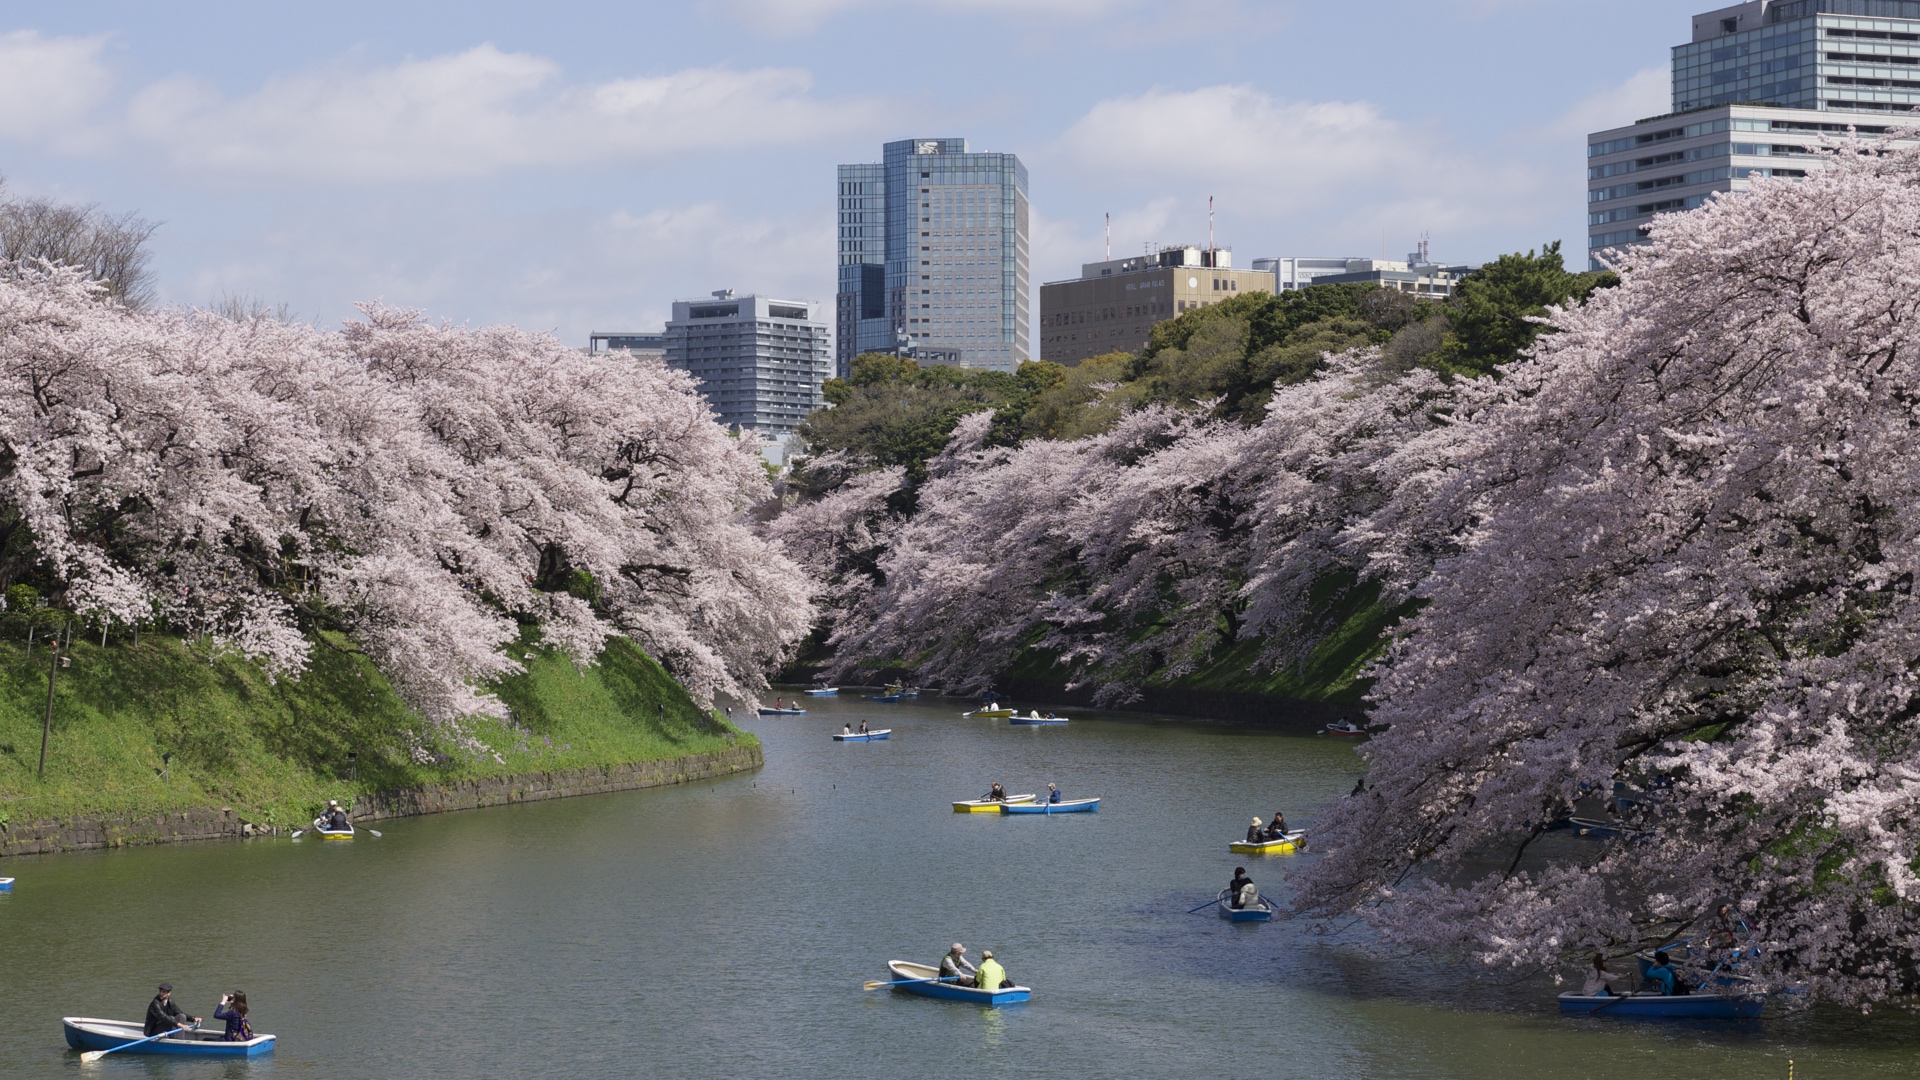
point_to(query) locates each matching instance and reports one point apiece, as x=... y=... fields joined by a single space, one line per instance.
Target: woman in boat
x=846 y=729
x=1599 y=980
x=997 y=794
x=233 y=1009
x=992 y=976
x=1255 y=834
x=1053 y=794
x=1277 y=828
x=1240 y=891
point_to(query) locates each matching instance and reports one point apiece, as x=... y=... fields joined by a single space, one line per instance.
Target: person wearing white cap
x=955 y=968
x=335 y=818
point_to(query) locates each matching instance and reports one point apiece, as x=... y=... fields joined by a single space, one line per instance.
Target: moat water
x=724 y=929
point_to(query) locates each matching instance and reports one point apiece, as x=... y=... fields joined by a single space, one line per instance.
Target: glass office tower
x=1754 y=92
x=951 y=284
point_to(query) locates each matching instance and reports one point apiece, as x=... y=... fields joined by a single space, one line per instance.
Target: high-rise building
x=1753 y=93
x=933 y=256
x=760 y=361
x=1112 y=305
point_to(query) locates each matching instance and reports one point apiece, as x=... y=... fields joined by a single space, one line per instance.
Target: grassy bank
x=275 y=751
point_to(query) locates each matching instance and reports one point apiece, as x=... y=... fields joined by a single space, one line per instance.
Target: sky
x=577 y=166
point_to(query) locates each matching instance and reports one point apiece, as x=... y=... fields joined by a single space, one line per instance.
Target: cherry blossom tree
x=1675 y=548
x=424 y=488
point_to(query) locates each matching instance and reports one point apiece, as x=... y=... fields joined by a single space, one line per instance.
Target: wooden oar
x=96 y=1055
x=876 y=984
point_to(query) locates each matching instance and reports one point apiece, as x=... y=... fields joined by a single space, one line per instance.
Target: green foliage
x=278 y=749
x=1490 y=316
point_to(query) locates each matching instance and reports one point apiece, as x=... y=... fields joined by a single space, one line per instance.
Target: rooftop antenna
x=1109 y=236
x=1209 y=224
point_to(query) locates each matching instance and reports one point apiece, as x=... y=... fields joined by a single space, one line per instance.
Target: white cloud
x=472 y=113
x=1648 y=92
x=49 y=85
x=780 y=17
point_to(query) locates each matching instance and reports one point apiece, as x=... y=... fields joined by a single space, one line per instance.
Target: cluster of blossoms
x=424 y=488
x=1673 y=547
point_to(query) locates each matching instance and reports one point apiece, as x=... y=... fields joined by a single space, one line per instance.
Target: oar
x=876 y=984
x=96 y=1055
x=1206 y=905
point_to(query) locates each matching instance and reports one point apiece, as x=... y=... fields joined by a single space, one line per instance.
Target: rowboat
x=865 y=736
x=1289 y=844
x=886 y=698
x=899 y=691
x=1034 y=719
x=1596 y=829
x=6 y=884
x=88 y=1033
x=824 y=691
x=1258 y=911
x=1646 y=1003
x=987 y=806
x=992 y=712
x=1346 y=728
x=332 y=834
x=783 y=712
x=1068 y=806
x=927 y=984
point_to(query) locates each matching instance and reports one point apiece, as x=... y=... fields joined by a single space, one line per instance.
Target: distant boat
x=1258 y=911
x=89 y=1033
x=1346 y=728
x=987 y=806
x=332 y=834
x=1697 y=1004
x=886 y=699
x=1069 y=806
x=824 y=691
x=1289 y=844
x=782 y=712
x=1596 y=829
x=1034 y=719
x=6 y=884
x=926 y=983
x=865 y=736
x=992 y=711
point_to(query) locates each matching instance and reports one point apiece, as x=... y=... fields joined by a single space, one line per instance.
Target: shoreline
x=1228 y=707
x=95 y=832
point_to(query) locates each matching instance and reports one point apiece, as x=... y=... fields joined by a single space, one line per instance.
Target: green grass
x=276 y=750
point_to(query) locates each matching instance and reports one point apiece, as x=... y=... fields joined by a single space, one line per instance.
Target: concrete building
x=639 y=344
x=760 y=361
x=1298 y=273
x=1112 y=306
x=933 y=256
x=1754 y=91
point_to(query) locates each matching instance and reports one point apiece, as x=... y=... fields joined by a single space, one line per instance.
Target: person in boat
x=1256 y=834
x=1277 y=828
x=1663 y=975
x=1053 y=796
x=992 y=976
x=1728 y=928
x=233 y=1009
x=997 y=794
x=863 y=727
x=335 y=819
x=955 y=968
x=846 y=729
x=1241 y=890
x=163 y=1014
x=1599 y=980
x=779 y=703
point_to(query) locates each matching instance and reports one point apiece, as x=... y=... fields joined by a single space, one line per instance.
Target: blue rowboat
x=6 y=884
x=927 y=984
x=783 y=712
x=887 y=698
x=1069 y=806
x=865 y=736
x=1258 y=911
x=1712 y=1006
x=1034 y=719
x=824 y=691
x=88 y=1033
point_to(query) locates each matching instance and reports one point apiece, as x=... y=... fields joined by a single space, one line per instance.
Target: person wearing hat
x=955 y=968
x=992 y=976
x=1256 y=835
x=335 y=819
x=162 y=1013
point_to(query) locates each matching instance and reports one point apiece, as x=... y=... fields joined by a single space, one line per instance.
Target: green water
x=723 y=930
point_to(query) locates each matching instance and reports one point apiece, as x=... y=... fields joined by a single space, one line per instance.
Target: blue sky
x=577 y=166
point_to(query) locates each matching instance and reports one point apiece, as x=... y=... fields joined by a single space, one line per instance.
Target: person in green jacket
x=992 y=976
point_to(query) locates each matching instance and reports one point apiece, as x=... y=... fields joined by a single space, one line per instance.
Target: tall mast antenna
x=1109 y=236
x=1209 y=224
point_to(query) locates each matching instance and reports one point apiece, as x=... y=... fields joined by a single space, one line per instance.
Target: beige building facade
x=1112 y=306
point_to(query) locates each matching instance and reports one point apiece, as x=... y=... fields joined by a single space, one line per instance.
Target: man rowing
x=997 y=794
x=1241 y=891
x=163 y=1014
x=955 y=968
x=335 y=819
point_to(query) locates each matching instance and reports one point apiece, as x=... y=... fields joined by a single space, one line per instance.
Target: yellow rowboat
x=995 y=714
x=1291 y=844
x=987 y=806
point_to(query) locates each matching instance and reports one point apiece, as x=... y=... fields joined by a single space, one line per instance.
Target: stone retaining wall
x=90 y=832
